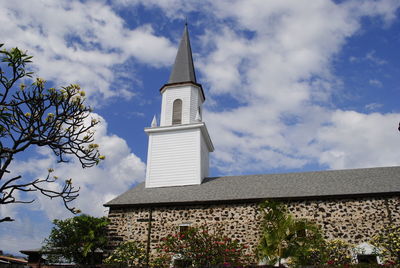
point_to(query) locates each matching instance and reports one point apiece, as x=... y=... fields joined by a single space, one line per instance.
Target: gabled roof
x=183 y=70
x=304 y=185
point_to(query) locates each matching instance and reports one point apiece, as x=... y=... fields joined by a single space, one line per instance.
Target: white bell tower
x=178 y=149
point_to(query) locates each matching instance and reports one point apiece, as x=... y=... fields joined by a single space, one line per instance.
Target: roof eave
x=190 y=83
x=254 y=200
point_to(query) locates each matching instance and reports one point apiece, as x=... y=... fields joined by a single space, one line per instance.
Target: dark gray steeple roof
x=183 y=70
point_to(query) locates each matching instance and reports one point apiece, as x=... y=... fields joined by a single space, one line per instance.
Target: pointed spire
x=183 y=70
x=154 y=122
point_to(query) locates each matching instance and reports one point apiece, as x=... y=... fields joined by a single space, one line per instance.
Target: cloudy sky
x=290 y=86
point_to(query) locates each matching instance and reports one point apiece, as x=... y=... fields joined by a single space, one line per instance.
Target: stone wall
x=238 y=221
x=355 y=220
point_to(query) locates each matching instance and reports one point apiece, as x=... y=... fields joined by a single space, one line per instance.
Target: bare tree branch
x=6 y=219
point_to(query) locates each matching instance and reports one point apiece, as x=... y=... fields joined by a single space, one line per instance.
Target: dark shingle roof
x=183 y=70
x=351 y=182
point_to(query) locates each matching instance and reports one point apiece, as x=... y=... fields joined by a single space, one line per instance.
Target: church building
x=351 y=205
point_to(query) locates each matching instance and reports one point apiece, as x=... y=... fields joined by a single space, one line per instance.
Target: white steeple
x=178 y=149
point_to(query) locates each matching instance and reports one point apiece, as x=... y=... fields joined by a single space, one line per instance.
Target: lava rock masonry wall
x=238 y=221
x=354 y=220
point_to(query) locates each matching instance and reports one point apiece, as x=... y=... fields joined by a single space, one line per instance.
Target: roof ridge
x=304 y=172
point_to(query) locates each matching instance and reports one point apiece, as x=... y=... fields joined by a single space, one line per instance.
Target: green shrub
x=202 y=249
x=388 y=241
x=77 y=239
x=285 y=237
x=129 y=253
x=338 y=252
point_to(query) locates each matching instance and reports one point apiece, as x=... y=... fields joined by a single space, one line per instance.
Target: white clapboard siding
x=178 y=154
x=174 y=158
x=204 y=158
x=194 y=103
x=191 y=100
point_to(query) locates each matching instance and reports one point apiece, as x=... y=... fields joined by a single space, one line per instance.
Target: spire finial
x=198 y=116
x=186 y=21
x=154 y=122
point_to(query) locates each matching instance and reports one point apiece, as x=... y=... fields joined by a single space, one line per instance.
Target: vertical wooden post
x=389 y=213
x=149 y=237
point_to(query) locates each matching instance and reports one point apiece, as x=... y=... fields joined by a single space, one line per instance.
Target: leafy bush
x=201 y=248
x=284 y=237
x=388 y=241
x=128 y=254
x=326 y=252
x=338 y=252
x=77 y=239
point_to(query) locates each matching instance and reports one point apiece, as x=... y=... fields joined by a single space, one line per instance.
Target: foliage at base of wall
x=300 y=243
x=129 y=253
x=201 y=248
x=285 y=237
x=388 y=240
x=332 y=252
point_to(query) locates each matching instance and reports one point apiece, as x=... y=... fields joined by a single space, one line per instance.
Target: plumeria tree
x=33 y=115
x=388 y=243
x=338 y=252
x=129 y=253
x=200 y=248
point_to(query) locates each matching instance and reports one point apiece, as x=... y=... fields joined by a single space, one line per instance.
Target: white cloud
x=74 y=42
x=282 y=77
x=375 y=82
x=373 y=106
x=353 y=59
x=22 y=235
x=370 y=56
x=175 y=9
x=360 y=140
x=275 y=59
x=384 y=9
x=375 y=59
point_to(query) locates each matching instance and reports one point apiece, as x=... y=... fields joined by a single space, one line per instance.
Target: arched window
x=177 y=112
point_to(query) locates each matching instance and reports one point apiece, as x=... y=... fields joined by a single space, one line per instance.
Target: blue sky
x=290 y=86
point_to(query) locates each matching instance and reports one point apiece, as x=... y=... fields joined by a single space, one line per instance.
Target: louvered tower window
x=177 y=112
